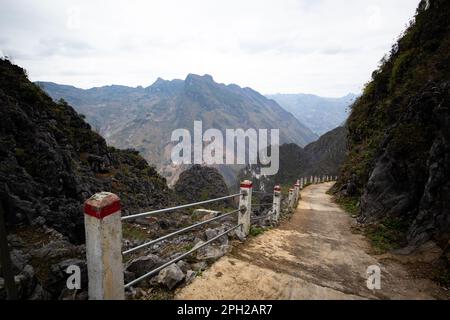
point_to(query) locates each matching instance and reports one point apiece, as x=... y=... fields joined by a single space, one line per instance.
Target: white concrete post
x=312 y=180
x=302 y=183
x=276 y=203
x=103 y=229
x=291 y=199
x=245 y=205
x=297 y=191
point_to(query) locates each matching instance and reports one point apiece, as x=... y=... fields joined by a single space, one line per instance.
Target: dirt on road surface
x=314 y=255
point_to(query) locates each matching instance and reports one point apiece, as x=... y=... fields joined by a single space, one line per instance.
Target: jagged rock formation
x=319 y=114
x=200 y=183
x=51 y=161
x=319 y=158
x=144 y=118
x=399 y=132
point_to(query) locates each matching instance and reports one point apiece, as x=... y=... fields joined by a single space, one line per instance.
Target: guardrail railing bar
x=144 y=214
x=154 y=271
x=167 y=236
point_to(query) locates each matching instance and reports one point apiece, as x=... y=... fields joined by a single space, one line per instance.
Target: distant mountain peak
x=195 y=77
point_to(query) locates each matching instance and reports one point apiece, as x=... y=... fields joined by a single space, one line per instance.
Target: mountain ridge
x=320 y=114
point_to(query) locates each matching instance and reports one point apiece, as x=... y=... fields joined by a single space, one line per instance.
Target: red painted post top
x=297 y=184
x=277 y=189
x=102 y=204
x=291 y=190
x=246 y=184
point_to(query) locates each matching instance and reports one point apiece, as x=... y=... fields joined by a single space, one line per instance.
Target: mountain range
x=144 y=118
x=320 y=114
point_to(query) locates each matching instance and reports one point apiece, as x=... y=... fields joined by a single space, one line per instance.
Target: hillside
x=399 y=136
x=51 y=161
x=144 y=118
x=319 y=158
x=320 y=114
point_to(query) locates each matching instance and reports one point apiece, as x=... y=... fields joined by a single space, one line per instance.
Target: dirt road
x=314 y=255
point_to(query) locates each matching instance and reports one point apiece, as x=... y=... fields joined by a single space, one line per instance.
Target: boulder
x=18 y=260
x=199 y=266
x=211 y=233
x=170 y=276
x=145 y=264
x=211 y=253
x=190 y=276
x=184 y=266
x=128 y=276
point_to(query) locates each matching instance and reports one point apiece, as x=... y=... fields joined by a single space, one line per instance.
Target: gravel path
x=314 y=255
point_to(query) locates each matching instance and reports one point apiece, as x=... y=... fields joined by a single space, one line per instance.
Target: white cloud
x=327 y=47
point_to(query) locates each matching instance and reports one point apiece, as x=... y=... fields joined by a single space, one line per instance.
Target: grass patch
x=387 y=235
x=132 y=232
x=350 y=205
x=188 y=247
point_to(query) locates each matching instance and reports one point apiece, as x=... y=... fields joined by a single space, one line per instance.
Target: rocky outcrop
x=200 y=183
x=411 y=184
x=51 y=161
x=399 y=139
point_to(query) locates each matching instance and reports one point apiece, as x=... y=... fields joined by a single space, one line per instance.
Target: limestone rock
x=170 y=276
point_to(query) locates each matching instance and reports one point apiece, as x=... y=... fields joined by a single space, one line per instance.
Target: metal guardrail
x=156 y=270
x=104 y=247
x=145 y=214
x=170 y=235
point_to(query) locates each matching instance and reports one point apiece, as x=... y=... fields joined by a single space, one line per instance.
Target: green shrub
x=387 y=235
x=256 y=231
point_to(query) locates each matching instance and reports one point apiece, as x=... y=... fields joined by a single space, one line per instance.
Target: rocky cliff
x=398 y=166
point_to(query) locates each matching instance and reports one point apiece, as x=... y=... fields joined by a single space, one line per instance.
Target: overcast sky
x=325 y=47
